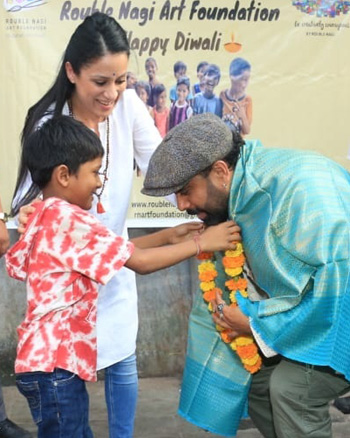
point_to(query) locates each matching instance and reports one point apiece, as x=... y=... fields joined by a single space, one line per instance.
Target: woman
x=90 y=86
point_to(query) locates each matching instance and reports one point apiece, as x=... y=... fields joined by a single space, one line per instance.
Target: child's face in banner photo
x=182 y=93
x=209 y=83
x=240 y=83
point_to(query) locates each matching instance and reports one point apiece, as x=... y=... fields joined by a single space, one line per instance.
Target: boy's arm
x=168 y=236
x=4 y=236
x=217 y=238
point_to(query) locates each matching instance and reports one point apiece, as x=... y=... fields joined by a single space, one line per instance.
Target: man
x=293 y=209
x=8 y=429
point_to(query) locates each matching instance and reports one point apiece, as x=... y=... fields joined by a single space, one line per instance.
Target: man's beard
x=212 y=218
x=217 y=207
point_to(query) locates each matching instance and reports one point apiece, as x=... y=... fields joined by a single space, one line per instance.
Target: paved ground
x=156 y=416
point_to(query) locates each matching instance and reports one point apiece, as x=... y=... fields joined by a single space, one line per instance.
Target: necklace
x=99 y=206
x=233 y=262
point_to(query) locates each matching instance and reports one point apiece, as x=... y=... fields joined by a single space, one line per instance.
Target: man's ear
x=221 y=172
x=61 y=175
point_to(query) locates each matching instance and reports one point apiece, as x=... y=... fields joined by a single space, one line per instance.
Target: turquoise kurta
x=294 y=211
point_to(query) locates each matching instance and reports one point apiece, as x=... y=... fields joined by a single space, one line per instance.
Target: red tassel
x=100 y=208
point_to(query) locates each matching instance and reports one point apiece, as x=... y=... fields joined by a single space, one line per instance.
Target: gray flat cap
x=185 y=151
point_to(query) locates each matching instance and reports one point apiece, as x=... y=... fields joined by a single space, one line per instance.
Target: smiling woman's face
x=99 y=84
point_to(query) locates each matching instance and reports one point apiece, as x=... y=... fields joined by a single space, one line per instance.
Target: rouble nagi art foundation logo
x=323 y=8
x=19 y=5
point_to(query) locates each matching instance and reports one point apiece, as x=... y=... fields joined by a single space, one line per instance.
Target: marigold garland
x=233 y=262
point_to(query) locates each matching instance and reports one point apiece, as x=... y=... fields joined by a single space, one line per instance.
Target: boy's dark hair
x=158 y=89
x=201 y=65
x=144 y=85
x=150 y=58
x=212 y=70
x=60 y=140
x=183 y=80
x=179 y=65
x=238 y=66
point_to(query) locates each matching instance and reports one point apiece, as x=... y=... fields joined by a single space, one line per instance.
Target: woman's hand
x=231 y=318
x=24 y=214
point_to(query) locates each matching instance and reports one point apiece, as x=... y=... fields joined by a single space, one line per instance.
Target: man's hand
x=231 y=318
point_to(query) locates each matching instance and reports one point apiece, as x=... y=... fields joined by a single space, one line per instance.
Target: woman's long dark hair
x=96 y=36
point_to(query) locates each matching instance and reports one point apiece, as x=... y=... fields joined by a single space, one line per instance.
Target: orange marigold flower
x=205 y=255
x=241 y=283
x=210 y=295
x=247 y=351
x=225 y=336
x=233 y=262
x=207 y=275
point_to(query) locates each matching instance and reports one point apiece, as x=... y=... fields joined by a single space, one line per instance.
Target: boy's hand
x=220 y=237
x=23 y=215
x=185 y=231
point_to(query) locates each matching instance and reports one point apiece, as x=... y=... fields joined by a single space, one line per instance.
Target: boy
x=197 y=88
x=180 y=69
x=206 y=101
x=8 y=429
x=160 y=110
x=237 y=105
x=63 y=255
x=180 y=110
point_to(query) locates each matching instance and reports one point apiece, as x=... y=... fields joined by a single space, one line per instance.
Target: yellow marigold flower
x=233 y=345
x=210 y=307
x=250 y=360
x=234 y=271
x=244 y=293
x=244 y=340
x=234 y=252
x=206 y=266
x=219 y=328
x=233 y=297
x=207 y=285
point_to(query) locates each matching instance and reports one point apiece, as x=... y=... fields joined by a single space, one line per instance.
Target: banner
x=298 y=85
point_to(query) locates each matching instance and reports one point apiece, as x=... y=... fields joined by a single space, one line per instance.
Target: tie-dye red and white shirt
x=63 y=255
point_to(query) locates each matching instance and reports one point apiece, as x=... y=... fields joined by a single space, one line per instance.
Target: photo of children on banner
x=198 y=86
x=131 y=79
x=143 y=90
x=181 y=109
x=160 y=110
x=206 y=101
x=237 y=105
x=180 y=70
x=63 y=256
x=151 y=68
